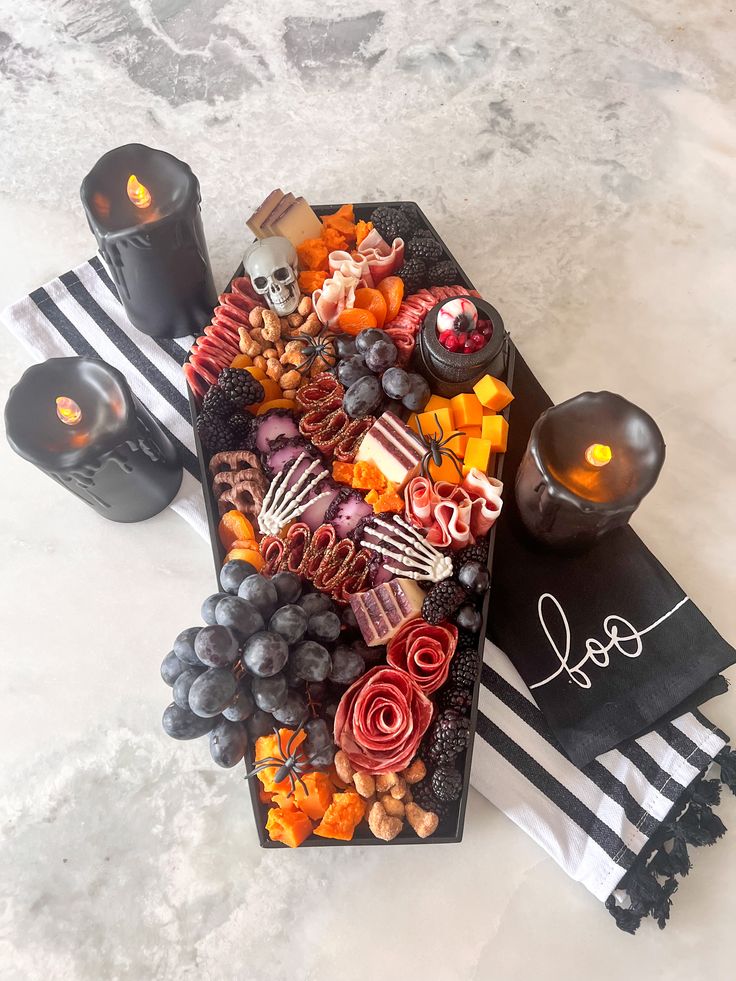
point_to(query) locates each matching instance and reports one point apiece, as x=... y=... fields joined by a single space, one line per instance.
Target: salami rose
x=381 y=719
x=424 y=652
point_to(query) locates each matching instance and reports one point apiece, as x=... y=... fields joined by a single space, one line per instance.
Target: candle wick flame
x=138 y=193
x=68 y=411
x=598 y=455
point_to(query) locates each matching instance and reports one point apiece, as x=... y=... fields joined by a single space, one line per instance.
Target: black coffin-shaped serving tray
x=450 y=829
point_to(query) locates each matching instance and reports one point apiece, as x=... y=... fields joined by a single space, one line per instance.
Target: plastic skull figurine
x=271 y=264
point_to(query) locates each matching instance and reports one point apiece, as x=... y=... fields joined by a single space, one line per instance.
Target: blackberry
x=442 y=600
x=464 y=669
x=467 y=643
x=242 y=427
x=459 y=699
x=428 y=249
x=423 y=796
x=443 y=274
x=450 y=735
x=414 y=275
x=413 y=220
x=471 y=553
x=215 y=433
x=447 y=783
x=216 y=403
x=240 y=386
x=391 y=223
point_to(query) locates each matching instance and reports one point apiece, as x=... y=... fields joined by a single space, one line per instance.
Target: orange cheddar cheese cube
x=466 y=410
x=477 y=454
x=448 y=471
x=492 y=393
x=496 y=431
x=436 y=402
x=432 y=422
x=460 y=439
x=487 y=426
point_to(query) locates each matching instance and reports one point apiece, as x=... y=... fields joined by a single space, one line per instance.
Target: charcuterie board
x=383 y=448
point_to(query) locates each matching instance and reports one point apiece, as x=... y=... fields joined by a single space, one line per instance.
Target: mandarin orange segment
x=352 y=320
x=311 y=280
x=233 y=527
x=246 y=555
x=241 y=361
x=369 y=299
x=392 y=290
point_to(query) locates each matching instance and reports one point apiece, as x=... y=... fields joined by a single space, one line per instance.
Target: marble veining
x=580 y=161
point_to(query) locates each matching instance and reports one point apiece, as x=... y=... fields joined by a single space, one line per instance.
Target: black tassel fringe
x=690 y=822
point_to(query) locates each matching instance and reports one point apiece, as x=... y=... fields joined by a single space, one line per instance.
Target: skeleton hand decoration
x=271 y=264
x=417 y=560
x=282 y=504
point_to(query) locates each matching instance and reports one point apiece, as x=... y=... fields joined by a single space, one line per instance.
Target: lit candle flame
x=138 y=193
x=598 y=454
x=68 y=411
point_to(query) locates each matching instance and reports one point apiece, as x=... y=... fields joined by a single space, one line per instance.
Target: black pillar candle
x=78 y=421
x=143 y=207
x=588 y=464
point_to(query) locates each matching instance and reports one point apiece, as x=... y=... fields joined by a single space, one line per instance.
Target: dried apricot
x=258 y=373
x=234 y=527
x=241 y=361
x=246 y=555
x=392 y=290
x=274 y=404
x=369 y=299
x=352 y=320
x=313 y=254
x=311 y=280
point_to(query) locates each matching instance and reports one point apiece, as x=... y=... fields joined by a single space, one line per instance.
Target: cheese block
x=493 y=393
x=282 y=206
x=459 y=440
x=393 y=447
x=255 y=222
x=477 y=454
x=297 y=223
x=496 y=431
x=431 y=422
x=466 y=410
x=436 y=402
x=382 y=611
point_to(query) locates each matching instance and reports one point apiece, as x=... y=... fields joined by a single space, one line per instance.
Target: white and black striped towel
x=615 y=826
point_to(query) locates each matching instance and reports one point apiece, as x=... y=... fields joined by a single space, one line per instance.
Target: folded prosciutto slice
x=383 y=259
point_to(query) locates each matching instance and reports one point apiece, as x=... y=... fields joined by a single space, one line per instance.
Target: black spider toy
x=436 y=447
x=291 y=762
x=321 y=346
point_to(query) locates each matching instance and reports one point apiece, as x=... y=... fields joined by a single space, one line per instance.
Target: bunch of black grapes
x=269 y=655
x=374 y=382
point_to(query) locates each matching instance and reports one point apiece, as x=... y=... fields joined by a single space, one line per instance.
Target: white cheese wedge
x=281 y=208
x=255 y=222
x=297 y=223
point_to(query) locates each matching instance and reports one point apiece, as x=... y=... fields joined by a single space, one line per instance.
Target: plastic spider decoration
x=436 y=448
x=290 y=762
x=318 y=351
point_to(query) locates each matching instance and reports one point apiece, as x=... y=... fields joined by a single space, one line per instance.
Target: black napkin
x=671 y=659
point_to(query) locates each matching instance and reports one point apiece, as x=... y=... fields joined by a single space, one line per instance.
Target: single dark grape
x=323 y=756
x=395 y=382
x=293 y=709
x=315 y=603
x=345 y=346
x=348 y=618
x=319 y=735
x=233 y=573
x=324 y=626
x=270 y=693
x=228 y=743
x=242 y=617
x=183 y=683
x=242 y=706
x=347 y=665
x=171 y=668
x=418 y=395
x=208 y=607
x=468 y=618
x=367 y=338
x=381 y=355
x=216 y=646
x=363 y=398
x=311 y=661
x=265 y=653
x=184 y=645
x=259 y=724
x=290 y=622
x=474 y=577
x=181 y=723
x=288 y=586
x=352 y=369
x=212 y=691
x=371 y=655
x=261 y=592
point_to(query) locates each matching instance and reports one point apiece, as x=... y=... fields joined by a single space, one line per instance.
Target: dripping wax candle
x=77 y=420
x=588 y=464
x=143 y=208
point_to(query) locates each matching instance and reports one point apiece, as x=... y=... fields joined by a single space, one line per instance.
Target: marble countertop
x=580 y=160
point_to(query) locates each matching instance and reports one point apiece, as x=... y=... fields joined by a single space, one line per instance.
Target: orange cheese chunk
x=317 y=797
x=477 y=454
x=493 y=393
x=288 y=825
x=447 y=471
x=436 y=402
x=496 y=431
x=466 y=410
x=412 y=422
x=460 y=439
x=432 y=422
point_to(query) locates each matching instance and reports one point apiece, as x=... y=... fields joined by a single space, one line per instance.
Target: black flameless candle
x=143 y=207
x=588 y=464
x=78 y=421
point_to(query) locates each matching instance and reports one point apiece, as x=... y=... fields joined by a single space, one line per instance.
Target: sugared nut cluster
x=275 y=344
x=389 y=798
